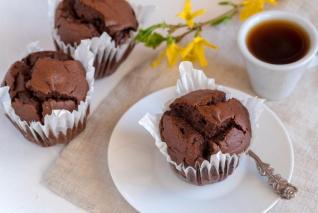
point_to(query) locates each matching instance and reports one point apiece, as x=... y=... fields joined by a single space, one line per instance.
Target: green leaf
x=170 y=39
x=144 y=34
x=229 y=3
x=149 y=37
x=221 y=20
x=224 y=3
x=154 y=40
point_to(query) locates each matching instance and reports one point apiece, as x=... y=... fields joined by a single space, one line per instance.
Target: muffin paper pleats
x=62 y=125
x=220 y=165
x=107 y=56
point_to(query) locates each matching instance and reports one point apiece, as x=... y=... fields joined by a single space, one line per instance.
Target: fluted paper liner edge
x=60 y=121
x=191 y=80
x=103 y=47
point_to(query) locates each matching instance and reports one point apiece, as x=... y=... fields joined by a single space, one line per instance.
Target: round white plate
x=147 y=182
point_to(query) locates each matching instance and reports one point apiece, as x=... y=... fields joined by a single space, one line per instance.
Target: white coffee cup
x=273 y=81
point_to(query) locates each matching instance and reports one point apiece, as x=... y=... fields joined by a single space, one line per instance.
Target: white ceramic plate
x=147 y=182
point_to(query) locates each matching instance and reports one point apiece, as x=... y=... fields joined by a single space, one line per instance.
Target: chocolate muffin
x=43 y=82
x=76 y=20
x=203 y=123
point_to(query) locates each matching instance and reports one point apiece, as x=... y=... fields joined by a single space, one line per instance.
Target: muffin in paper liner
x=107 y=57
x=62 y=125
x=220 y=165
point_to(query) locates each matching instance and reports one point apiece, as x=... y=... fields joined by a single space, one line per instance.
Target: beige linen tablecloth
x=80 y=175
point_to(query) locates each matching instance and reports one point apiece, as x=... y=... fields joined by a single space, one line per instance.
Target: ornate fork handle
x=280 y=185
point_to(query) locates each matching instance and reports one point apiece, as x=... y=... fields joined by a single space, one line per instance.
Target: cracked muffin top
x=45 y=81
x=202 y=123
x=76 y=20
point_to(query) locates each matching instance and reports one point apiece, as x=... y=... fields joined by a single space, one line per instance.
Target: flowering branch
x=194 y=51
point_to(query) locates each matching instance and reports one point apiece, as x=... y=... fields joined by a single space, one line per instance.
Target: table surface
x=22 y=164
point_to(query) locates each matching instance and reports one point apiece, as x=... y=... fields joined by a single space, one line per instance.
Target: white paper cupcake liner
x=61 y=125
x=107 y=57
x=220 y=165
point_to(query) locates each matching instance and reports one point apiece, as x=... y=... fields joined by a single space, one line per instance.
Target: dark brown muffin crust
x=76 y=20
x=203 y=123
x=45 y=81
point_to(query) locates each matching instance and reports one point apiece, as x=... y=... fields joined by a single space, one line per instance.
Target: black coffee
x=278 y=42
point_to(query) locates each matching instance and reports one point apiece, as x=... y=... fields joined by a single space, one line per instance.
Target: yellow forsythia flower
x=188 y=15
x=171 y=52
x=251 y=7
x=155 y=63
x=194 y=51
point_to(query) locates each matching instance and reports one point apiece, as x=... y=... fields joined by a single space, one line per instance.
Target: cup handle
x=314 y=62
